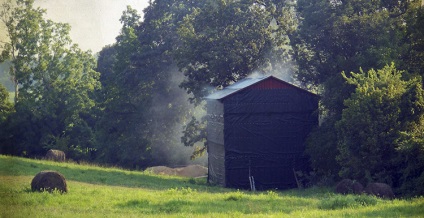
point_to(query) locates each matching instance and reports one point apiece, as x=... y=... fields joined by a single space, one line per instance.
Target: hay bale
x=56 y=155
x=192 y=171
x=348 y=186
x=381 y=190
x=49 y=181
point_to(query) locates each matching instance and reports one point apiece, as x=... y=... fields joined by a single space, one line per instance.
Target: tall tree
x=336 y=36
x=414 y=52
x=224 y=41
x=121 y=129
x=6 y=109
x=55 y=80
x=169 y=108
x=142 y=71
x=5 y=106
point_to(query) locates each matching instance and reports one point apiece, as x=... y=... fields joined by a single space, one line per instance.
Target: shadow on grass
x=94 y=175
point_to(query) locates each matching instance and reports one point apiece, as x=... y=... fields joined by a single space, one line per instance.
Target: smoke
x=169 y=113
x=278 y=66
x=282 y=70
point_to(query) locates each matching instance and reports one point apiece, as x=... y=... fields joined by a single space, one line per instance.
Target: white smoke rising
x=169 y=114
x=281 y=70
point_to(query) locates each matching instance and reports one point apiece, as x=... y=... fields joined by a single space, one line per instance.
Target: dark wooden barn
x=256 y=133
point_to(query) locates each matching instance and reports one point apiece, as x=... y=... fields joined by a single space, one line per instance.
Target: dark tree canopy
x=336 y=36
x=222 y=42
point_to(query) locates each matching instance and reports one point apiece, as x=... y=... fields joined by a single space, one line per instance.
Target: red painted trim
x=270 y=83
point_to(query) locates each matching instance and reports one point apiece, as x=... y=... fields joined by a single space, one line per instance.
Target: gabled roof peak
x=247 y=82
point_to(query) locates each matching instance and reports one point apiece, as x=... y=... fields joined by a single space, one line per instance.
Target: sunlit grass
x=111 y=192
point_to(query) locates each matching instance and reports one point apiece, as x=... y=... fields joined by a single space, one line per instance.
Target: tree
x=54 y=83
x=142 y=74
x=414 y=52
x=321 y=148
x=381 y=126
x=121 y=129
x=6 y=109
x=410 y=144
x=223 y=42
x=5 y=106
x=336 y=36
x=169 y=109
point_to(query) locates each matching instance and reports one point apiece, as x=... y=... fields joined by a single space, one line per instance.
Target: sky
x=94 y=23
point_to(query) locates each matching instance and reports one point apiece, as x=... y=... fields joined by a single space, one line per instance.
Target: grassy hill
x=109 y=192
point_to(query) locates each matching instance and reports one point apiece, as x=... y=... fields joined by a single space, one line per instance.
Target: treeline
x=128 y=108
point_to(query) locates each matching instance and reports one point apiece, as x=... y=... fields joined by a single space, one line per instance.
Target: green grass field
x=109 y=192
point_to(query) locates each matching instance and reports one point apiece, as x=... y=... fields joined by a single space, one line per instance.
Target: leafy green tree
x=410 y=143
x=321 y=148
x=121 y=127
x=414 y=52
x=169 y=108
x=54 y=83
x=223 y=42
x=6 y=108
x=380 y=128
x=336 y=36
x=139 y=71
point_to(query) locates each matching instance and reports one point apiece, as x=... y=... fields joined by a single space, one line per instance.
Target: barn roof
x=245 y=83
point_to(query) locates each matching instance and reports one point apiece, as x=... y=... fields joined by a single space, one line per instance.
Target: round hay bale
x=348 y=186
x=192 y=171
x=49 y=181
x=56 y=155
x=381 y=190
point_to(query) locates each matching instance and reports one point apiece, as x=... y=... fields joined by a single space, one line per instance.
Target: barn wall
x=215 y=137
x=264 y=133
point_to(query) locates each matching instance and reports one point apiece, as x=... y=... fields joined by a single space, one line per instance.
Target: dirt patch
x=161 y=170
x=191 y=171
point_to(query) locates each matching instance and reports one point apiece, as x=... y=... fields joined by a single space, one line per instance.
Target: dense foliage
x=144 y=97
x=380 y=126
x=360 y=135
x=121 y=131
x=54 y=81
